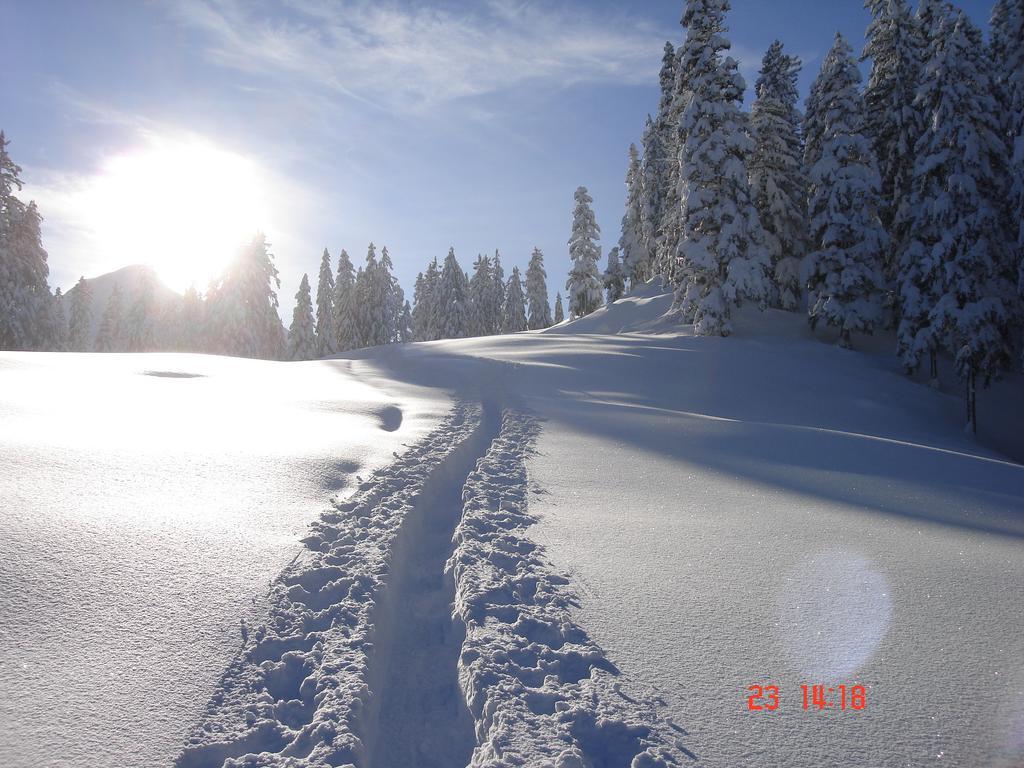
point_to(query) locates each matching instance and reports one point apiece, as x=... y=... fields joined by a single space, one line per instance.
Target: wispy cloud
x=411 y=58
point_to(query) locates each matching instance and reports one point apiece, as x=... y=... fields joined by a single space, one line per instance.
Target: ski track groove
x=364 y=661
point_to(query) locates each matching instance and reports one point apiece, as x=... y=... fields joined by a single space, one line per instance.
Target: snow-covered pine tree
x=559 y=312
x=895 y=45
x=614 y=278
x=405 y=333
x=653 y=188
x=659 y=166
x=191 y=330
x=845 y=269
x=635 y=258
x=1007 y=47
x=302 y=341
x=584 y=283
x=371 y=302
x=956 y=289
x=672 y=137
x=394 y=297
x=326 y=324
x=242 y=306
x=452 y=299
x=723 y=253
x=346 y=328
x=110 y=337
x=60 y=323
x=498 y=295
x=777 y=179
x=425 y=313
x=513 y=315
x=26 y=304
x=815 y=110
x=141 y=321
x=80 y=323
x=537 y=292
x=481 y=293
x=420 y=311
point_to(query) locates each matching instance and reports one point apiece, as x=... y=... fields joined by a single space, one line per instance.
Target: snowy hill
x=632 y=524
x=129 y=279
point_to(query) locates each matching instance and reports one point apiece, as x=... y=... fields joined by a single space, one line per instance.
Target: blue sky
x=417 y=125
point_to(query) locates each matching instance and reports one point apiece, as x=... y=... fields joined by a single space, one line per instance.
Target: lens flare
x=834 y=610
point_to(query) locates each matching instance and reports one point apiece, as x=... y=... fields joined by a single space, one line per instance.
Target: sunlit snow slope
x=146 y=501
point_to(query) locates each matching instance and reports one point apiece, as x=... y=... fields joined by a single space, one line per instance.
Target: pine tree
x=326 y=324
x=26 y=304
x=1007 y=55
x=672 y=137
x=659 y=166
x=892 y=124
x=60 y=323
x=141 y=320
x=635 y=258
x=723 y=254
x=481 y=295
x=559 y=312
x=537 y=292
x=405 y=332
x=653 y=188
x=452 y=299
x=80 y=324
x=110 y=337
x=393 y=297
x=425 y=313
x=191 y=331
x=302 y=341
x=614 y=278
x=584 y=283
x=372 y=309
x=346 y=328
x=777 y=180
x=513 y=315
x=498 y=295
x=242 y=306
x=844 y=287
x=956 y=289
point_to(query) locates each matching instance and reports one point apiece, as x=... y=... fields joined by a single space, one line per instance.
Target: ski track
x=541 y=692
x=363 y=661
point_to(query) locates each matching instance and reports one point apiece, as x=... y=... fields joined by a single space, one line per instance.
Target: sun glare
x=184 y=207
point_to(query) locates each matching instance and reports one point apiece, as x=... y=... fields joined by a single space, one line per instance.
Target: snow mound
x=643 y=310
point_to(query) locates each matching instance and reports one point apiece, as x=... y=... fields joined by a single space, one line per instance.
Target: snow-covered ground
x=146 y=502
x=633 y=525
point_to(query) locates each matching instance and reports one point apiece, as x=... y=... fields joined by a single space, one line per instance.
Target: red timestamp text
x=766 y=698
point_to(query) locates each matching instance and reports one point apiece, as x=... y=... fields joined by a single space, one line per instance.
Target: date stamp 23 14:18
x=765 y=698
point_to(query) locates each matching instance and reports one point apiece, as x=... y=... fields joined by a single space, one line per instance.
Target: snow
x=148 y=501
x=630 y=524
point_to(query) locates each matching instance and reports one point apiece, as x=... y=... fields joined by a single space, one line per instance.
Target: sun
x=183 y=206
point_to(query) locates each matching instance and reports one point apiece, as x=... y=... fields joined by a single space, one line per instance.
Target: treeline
x=898 y=204
x=368 y=308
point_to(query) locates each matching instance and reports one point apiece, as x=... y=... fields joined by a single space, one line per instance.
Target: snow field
x=147 y=503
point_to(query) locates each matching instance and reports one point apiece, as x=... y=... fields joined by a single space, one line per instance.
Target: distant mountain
x=129 y=279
